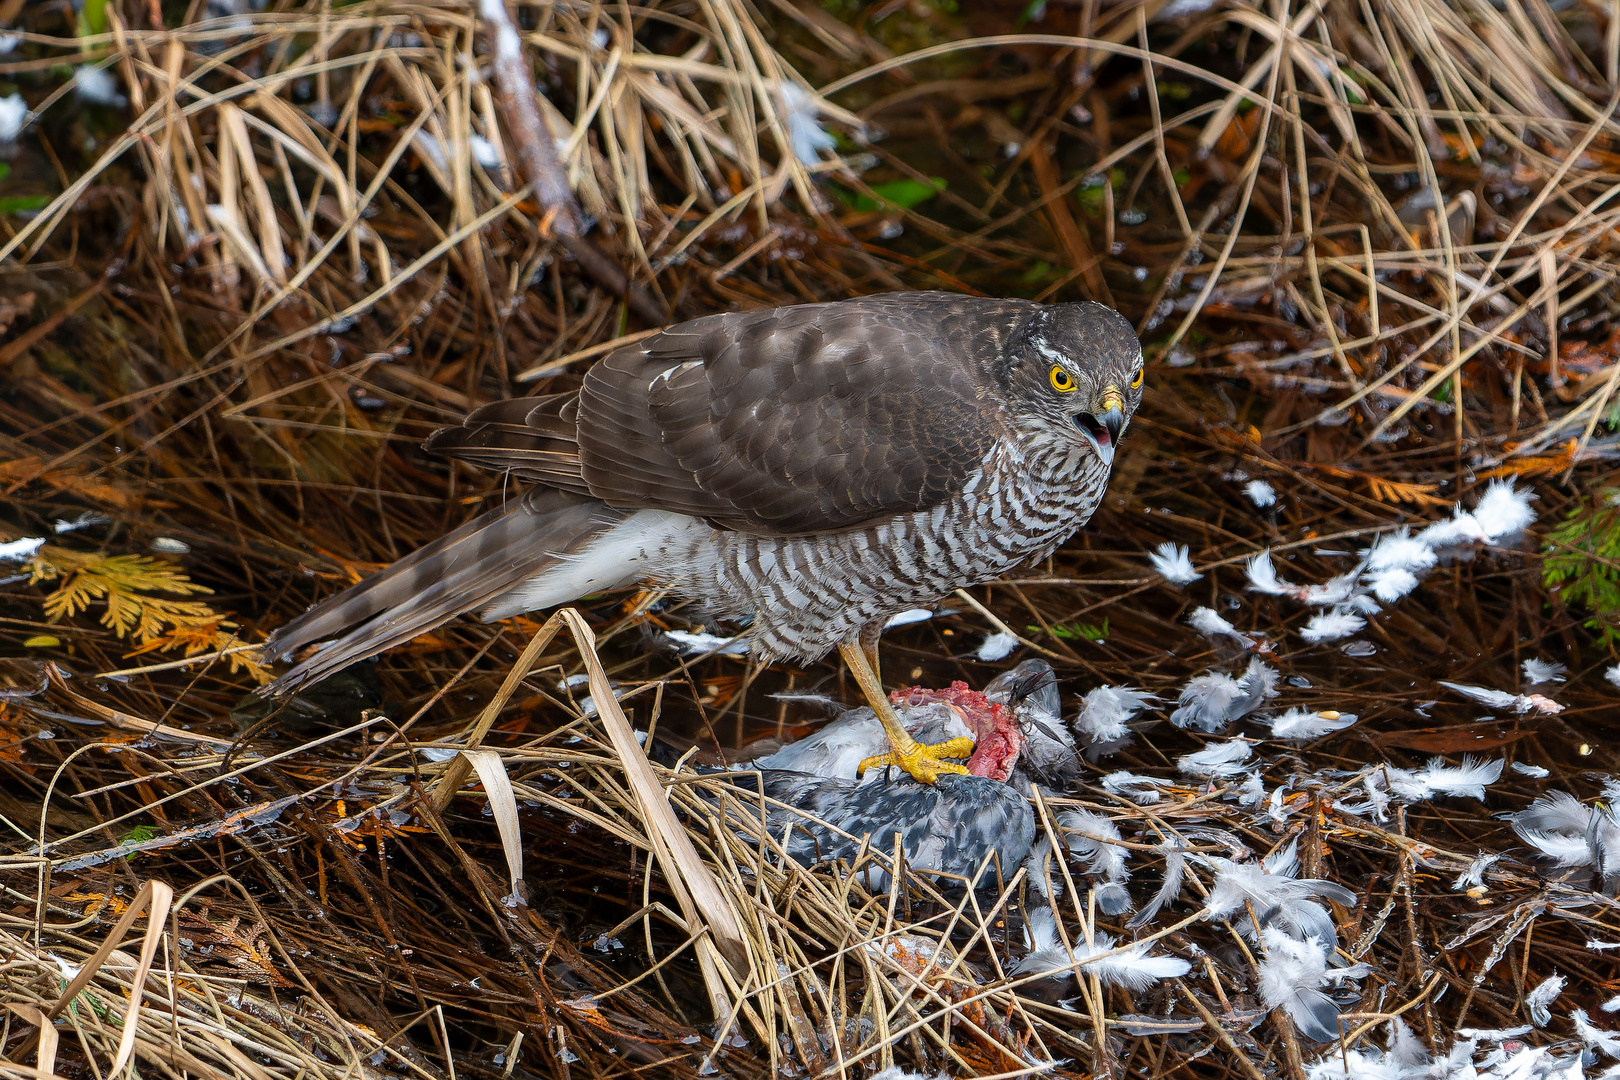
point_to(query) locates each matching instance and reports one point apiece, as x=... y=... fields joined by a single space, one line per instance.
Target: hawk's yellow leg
x=924 y=762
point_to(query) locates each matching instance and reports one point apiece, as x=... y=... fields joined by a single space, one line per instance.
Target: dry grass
x=1370 y=246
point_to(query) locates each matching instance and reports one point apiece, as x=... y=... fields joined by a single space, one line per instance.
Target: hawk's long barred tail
x=534 y=538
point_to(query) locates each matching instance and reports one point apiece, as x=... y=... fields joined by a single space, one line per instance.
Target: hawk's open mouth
x=1103 y=431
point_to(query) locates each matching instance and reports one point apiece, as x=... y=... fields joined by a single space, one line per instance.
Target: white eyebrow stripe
x=1050 y=353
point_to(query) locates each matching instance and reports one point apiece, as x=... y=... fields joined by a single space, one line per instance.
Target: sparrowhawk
x=810 y=470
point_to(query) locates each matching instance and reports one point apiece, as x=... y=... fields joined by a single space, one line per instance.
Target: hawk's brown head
x=1075 y=372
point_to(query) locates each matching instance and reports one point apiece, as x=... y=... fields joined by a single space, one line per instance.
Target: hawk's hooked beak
x=1104 y=426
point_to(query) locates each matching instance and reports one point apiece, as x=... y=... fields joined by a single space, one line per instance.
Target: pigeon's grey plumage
x=950 y=825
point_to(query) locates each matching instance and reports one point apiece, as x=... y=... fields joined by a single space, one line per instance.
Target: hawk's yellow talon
x=926 y=763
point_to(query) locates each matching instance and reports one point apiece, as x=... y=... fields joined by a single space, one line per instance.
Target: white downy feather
x=97 y=86
x=996 y=646
x=1613 y=675
x=1262 y=575
x=895 y=1072
x=1392 y=584
x=1142 y=790
x=1260 y=493
x=1133 y=968
x=1216 y=760
x=1537 y=671
x=1272 y=889
x=1406 y=1059
x=1173 y=562
x=1435 y=779
x=1106 y=710
x=1309 y=723
x=1096 y=840
x=1261 y=571
x=1377 y=804
x=1207 y=702
x=798 y=111
x=1047 y=953
x=1606 y=1041
x=13 y=117
x=1337 y=590
x=1277 y=809
x=1359 y=1065
x=1398 y=550
x=688 y=643
x=20 y=550
x=1335 y=625
x=1207 y=622
x=1503 y=510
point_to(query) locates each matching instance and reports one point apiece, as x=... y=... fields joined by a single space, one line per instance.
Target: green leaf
x=1352 y=91
x=894 y=195
x=93 y=20
x=5 y=170
x=17 y=204
x=1038 y=274
x=1090 y=191
x=1080 y=632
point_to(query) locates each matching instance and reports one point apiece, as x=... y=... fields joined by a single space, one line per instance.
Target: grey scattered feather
x=1216 y=760
x=1175 y=870
x=1539 y=1001
x=1475 y=874
x=1210 y=702
x=1570 y=833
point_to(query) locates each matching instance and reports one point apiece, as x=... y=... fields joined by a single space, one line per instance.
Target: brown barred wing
x=799 y=420
x=531 y=438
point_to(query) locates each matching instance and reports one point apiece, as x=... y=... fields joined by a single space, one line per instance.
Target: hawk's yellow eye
x=1061 y=379
x=1136 y=380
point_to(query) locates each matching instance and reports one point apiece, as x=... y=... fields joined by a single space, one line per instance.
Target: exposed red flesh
x=997 y=736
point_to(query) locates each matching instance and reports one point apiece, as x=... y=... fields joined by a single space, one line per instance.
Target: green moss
x=1583 y=563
